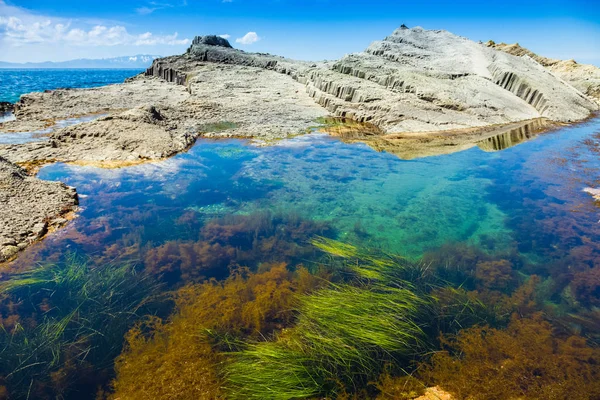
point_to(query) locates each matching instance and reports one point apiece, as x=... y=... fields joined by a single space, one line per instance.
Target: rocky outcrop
x=214 y=49
x=30 y=208
x=583 y=77
x=413 y=80
x=211 y=40
x=437 y=79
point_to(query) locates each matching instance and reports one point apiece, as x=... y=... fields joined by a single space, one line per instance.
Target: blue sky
x=40 y=30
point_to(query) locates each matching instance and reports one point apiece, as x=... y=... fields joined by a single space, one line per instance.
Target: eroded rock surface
x=584 y=77
x=29 y=208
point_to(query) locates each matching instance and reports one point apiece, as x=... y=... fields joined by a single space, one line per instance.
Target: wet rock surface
x=30 y=208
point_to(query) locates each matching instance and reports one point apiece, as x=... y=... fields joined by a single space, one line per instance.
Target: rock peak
x=211 y=40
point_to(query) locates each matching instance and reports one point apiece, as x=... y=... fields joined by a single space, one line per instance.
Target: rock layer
x=30 y=207
x=583 y=77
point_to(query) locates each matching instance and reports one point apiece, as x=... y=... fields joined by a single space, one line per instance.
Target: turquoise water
x=526 y=200
x=15 y=82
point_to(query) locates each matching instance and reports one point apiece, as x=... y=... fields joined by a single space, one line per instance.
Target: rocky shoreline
x=30 y=208
x=422 y=91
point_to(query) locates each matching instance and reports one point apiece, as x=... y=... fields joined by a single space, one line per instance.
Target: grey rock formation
x=211 y=40
x=420 y=80
x=30 y=207
x=584 y=77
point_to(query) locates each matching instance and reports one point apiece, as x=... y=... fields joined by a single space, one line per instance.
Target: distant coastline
x=139 y=61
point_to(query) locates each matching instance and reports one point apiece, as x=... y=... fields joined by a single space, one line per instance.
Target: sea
x=15 y=82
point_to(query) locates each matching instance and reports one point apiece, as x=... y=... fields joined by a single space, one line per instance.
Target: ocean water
x=15 y=82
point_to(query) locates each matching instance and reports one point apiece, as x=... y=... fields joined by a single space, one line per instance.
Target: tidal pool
x=498 y=201
x=228 y=203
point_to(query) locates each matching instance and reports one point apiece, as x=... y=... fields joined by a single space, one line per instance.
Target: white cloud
x=249 y=38
x=19 y=28
x=146 y=10
x=225 y=36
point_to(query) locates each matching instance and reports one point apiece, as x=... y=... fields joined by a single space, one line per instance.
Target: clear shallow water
x=41 y=135
x=15 y=82
x=526 y=199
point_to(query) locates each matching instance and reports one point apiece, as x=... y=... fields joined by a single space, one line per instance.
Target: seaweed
x=79 y=315
x=527 y=360
x=181 y=357
x=237 y=240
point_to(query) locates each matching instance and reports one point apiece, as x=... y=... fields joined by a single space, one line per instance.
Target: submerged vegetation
x=180 y=358
x=236 y=240
x=355 y=323
x=62 y=325
x=527 y=360
x=267 y=306
x=367 y=324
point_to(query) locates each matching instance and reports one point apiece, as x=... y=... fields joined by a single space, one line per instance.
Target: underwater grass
x=82 y=314
x=386 y=311
x=343 y=337
x=344 y=334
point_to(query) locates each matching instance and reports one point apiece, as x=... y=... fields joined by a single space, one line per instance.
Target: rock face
x=30 y=207
x=584 y=77
x=420 y=80
x=211 y=40
x=413 y=80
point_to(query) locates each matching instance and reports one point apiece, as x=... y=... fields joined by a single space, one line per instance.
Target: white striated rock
x=424 y=80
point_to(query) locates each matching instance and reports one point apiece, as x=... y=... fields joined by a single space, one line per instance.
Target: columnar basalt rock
x=583 y=77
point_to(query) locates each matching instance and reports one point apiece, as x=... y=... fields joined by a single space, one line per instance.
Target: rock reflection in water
x=513 y=137
x=413 y=145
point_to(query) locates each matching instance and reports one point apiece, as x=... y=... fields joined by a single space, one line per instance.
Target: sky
x=43 y=30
